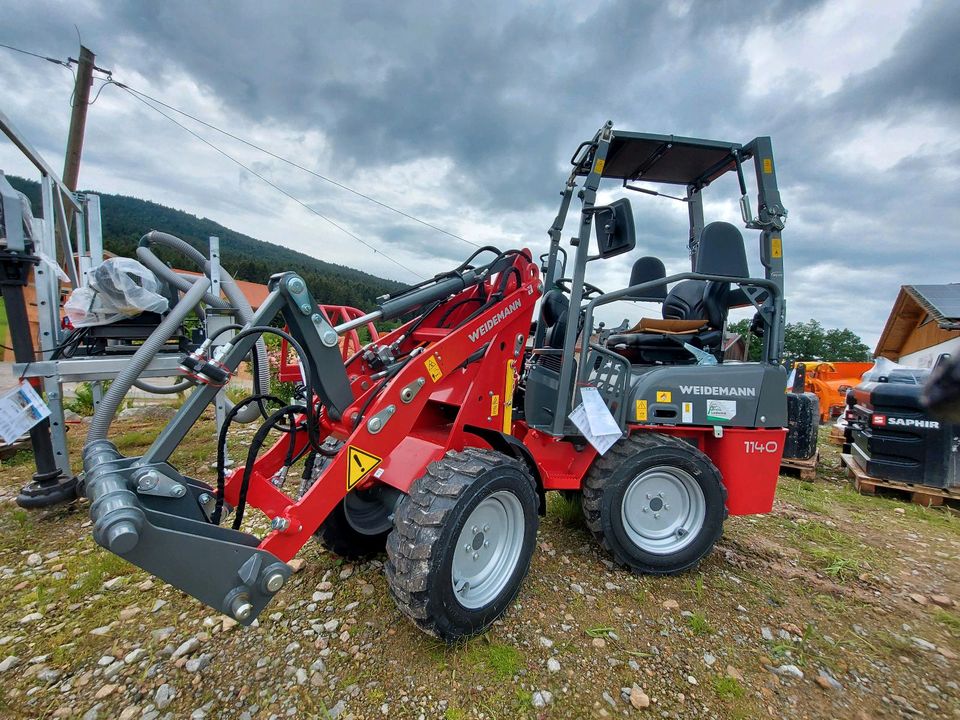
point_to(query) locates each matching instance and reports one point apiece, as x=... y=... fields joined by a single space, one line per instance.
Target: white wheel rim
x=663 y=510
x=488 y=550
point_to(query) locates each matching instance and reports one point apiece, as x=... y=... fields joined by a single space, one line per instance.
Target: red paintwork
x=289 y=368
x=419 y=431
x=748 y=465
x=440 y=416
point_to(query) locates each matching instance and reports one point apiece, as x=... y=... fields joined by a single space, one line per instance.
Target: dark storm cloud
x=923 y=71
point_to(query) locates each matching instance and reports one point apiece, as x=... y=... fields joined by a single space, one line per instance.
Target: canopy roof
x=666 y=159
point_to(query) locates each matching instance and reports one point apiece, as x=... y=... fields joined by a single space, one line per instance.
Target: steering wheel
x=566 y=284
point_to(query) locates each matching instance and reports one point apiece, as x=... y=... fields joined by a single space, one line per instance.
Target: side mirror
x=615 y=230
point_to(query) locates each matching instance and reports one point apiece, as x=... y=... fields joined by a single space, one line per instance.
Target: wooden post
x=78 y=118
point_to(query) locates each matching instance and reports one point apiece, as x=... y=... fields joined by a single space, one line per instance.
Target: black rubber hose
x=222 y=449
x=312 y=435
x=258 y=439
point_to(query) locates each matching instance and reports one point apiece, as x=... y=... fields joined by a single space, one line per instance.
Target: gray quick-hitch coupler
x=116 y=513
x=168 y=534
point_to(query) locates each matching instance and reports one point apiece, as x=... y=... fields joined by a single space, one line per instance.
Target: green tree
x=809 y=341
x=742 y=328
x=844 y=345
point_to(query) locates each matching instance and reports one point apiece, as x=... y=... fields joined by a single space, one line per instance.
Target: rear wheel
x=655 y=502
x=462 y=542
x=357 y=528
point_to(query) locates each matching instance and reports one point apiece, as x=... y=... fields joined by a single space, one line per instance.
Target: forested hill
x=126 y=219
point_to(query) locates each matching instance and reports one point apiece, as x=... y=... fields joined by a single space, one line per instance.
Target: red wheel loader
x=438 y=441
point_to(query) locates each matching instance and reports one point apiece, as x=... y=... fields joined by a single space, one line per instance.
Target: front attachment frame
x=177 y=543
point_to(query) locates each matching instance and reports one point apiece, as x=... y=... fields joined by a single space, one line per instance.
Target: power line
x=33 y=54
x=266 y=180
x=259 y=148
x=144 y=98
x=300 y=167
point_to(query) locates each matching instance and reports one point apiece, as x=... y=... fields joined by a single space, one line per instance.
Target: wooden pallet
x=836 y=436
x=917 y=494
x=806 y=469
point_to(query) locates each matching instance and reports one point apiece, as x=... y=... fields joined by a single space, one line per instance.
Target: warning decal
x=359 y=464
x=641 y=410
x=433 y=367
x=664 y=396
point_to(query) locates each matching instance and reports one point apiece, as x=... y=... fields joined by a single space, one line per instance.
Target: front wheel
x=656 y=503
x=462 y=542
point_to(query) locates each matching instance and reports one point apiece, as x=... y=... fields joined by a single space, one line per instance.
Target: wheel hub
x=663 y=509
x=487 y=550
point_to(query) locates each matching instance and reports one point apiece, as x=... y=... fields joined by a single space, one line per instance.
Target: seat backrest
x=685 y=301
x=644 y=270
x=554 y=310
x=720 y=252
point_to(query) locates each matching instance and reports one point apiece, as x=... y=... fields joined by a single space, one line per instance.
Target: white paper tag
x=20 y=409
x=686 y=415
x=593 y=419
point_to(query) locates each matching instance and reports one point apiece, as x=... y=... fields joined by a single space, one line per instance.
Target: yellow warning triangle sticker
x=359 y=464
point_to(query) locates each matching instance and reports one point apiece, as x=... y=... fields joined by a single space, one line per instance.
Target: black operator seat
x=694 y=311
x=554 y=310
x=648 y=269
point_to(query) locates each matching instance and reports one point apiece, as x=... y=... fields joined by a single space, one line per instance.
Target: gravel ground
x=833 y=606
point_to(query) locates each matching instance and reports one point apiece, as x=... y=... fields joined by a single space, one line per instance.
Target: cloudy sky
x=465 y=115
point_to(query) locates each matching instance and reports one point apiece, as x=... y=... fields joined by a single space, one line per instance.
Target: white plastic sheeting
x=119 y=288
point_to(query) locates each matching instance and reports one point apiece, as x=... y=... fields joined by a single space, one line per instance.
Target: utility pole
x=78 y=118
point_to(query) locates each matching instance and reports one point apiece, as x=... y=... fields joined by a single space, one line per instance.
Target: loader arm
x=393 y=408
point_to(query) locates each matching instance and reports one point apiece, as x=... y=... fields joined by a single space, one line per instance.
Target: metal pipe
x=615 y=295
x=357 y=322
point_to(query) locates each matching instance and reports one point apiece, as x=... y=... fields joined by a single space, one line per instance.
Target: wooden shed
x=923 y=325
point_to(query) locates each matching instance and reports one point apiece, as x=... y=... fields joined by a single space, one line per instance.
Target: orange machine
x=830 y=382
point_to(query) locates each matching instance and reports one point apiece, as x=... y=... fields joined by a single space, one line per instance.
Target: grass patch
x=92 y=570
x=17 y=526
x=727 y=688
x=951 y=620
x=697 y=588
x=136 y=438
x=566 y=508
x=599 y=632
x=503 y=661
x=813 y=497
x=938 y=517
x=699 y=624
x=19 y=458
x=836 y=565
x=838 y=554
x=453 y=713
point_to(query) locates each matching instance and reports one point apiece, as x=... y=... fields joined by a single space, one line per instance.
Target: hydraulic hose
x=103 y=417
x=177 y=387
x=237 y=300
x=181 y=282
